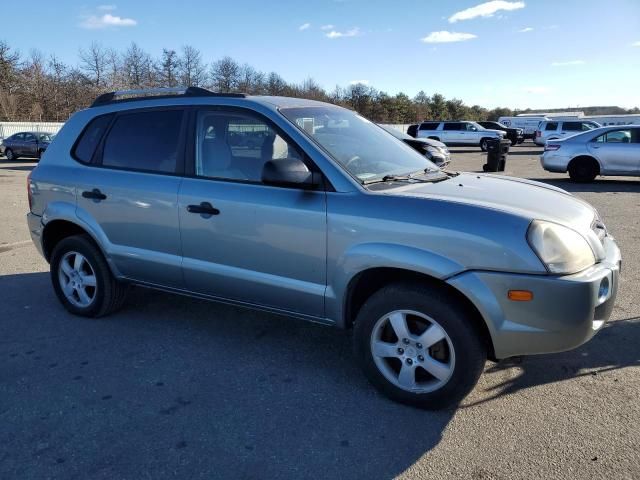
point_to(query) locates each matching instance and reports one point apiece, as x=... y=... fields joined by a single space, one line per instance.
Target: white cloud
x=487 y=9
x=304 y=26
x=106 y=8
x=636 y=44
x=359 y=82
x=96 y=22
x=354 y=32
x=569 y=63
x=526 y=29
x=536 y=90
x=447 y=37
x=327 y=27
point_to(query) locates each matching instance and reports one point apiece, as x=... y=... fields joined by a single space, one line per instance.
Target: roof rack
x=152 y=93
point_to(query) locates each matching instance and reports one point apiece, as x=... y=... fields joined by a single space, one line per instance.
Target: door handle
x=94 y=194
x=205 y=208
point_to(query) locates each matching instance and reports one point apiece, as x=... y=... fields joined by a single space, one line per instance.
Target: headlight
x=561 y=249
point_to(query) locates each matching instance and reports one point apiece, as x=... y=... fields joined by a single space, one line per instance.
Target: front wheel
x=82 y=279
x=418 y=346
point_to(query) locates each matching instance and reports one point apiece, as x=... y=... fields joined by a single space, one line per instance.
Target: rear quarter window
x=90 y=138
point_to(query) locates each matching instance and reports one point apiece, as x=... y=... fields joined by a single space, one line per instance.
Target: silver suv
x=557 y=129
x=310 y=210
x=459 y=133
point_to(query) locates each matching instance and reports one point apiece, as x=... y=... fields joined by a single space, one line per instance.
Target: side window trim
x=96 y=160
x=191 y=137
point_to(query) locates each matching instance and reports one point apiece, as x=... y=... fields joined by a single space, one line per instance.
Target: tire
x=458 y=358
x=583 y=170
x=483 y=145
x=108 y=294
x=514 y=141
x=10 y=155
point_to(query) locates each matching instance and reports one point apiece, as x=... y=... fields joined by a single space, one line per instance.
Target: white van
x=529 y=124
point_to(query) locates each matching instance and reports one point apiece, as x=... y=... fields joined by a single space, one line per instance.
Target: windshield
x=365 y=150
x=45 y=137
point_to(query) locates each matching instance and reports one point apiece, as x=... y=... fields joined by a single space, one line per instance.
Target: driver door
x=256 y=244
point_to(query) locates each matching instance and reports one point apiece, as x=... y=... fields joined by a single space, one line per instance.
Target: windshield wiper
x=432 y=176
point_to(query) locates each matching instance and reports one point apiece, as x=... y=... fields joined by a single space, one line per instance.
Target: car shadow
x=18 y=165
x=612 y=349
x=517 y=151
x=598 y=185
x=175 y=383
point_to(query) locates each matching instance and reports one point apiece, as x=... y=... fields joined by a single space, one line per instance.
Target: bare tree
x=225 y=75
x=113 y=69
x=192 y=72
x=93 y=61
x=275 y=84
x=136 y=65
x=168 y=68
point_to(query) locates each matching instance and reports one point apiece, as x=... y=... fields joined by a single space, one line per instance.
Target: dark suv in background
x=516 y=135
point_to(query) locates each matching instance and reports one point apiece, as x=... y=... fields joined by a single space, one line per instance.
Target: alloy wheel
x=412 y=351
x=77 y=279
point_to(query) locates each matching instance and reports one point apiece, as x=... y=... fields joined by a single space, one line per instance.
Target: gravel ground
x=172 y=387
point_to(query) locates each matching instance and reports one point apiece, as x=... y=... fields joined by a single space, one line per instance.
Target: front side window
x=362 y=148
x=236 y=145
x=144 y=141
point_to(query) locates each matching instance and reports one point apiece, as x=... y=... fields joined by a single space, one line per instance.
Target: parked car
x=516 y=135
x=330 y=220
x=555 y=129
x=434 y=150
x=459 y=133
x=528 y=123
x=602 y=151
x=26 y=144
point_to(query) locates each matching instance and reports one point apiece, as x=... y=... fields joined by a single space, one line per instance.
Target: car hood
x=429 y=141
x=533 y=200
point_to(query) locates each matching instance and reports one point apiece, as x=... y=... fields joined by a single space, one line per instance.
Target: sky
x=518 y=54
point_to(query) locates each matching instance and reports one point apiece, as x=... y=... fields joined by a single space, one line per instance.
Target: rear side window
x=144 y=141
x=551 y=126
x=429 y=126
x=452 y=126
x=572 y=126
x=90 y=138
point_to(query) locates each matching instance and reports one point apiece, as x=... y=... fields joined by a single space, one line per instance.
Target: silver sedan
x=611 y=150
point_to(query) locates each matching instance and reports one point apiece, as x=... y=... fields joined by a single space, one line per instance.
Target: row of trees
x=43 y=88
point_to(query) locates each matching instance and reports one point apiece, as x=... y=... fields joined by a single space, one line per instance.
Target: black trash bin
x=497 y=151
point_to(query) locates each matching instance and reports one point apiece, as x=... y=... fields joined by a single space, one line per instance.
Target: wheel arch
x=585 y=157
x=57 y=230
x=367 y=282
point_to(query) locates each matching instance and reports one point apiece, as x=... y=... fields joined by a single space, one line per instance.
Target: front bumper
x=35 y=229
x=566 y=311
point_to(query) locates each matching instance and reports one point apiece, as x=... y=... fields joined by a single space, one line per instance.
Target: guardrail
x=9 y=128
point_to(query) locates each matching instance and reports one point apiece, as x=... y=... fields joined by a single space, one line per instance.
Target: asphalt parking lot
x=182 y=388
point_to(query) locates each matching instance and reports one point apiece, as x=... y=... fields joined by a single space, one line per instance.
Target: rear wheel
x=484 y=144
x=583 y=169
x=10 y=155
x=82 y=279
x=419 y=346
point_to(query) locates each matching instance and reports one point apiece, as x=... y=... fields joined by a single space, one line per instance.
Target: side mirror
x=289 y=172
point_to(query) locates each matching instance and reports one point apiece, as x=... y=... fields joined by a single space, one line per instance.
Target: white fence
x=9 y=128
x=398 y=126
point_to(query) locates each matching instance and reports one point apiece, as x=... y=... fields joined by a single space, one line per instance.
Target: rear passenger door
x=259 y=244
x=451 y=133
x=128 y=192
